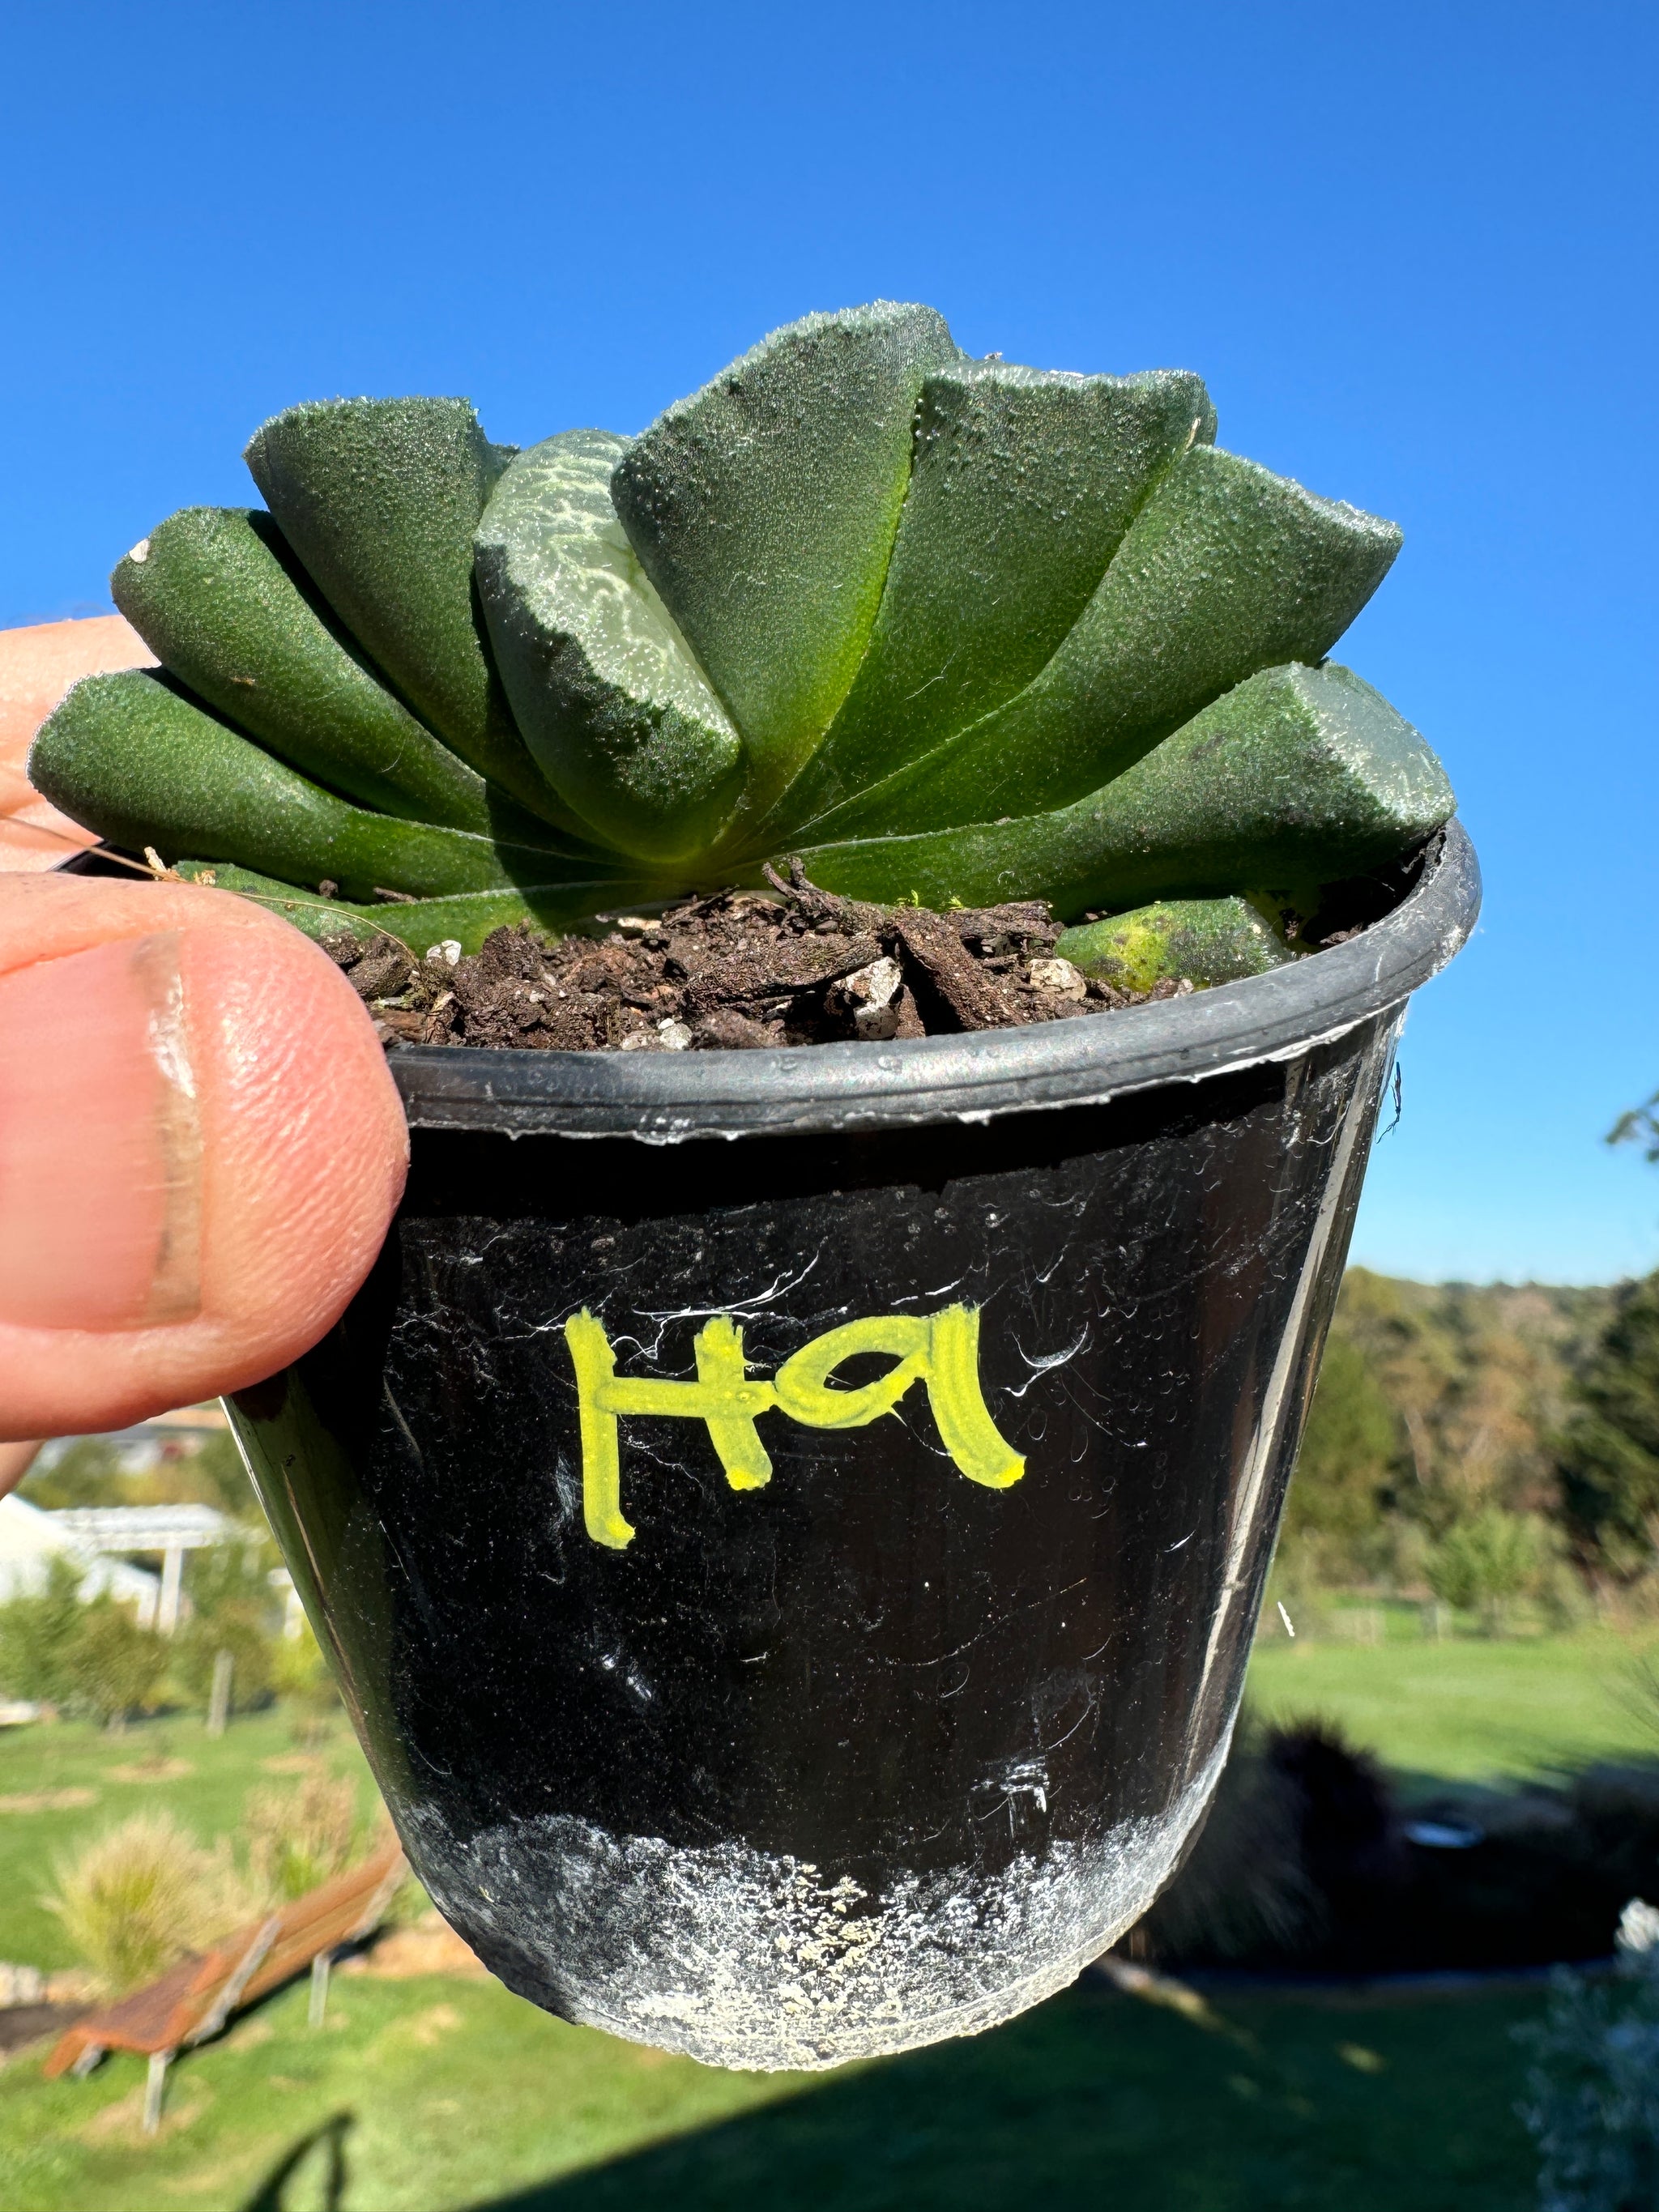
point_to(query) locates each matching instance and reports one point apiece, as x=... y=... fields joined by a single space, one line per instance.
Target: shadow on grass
x=1097 y=2101
x=330 y=2142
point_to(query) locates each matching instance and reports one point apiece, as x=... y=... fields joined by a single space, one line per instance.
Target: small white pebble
x=875 y=984
x=1060 y=977
x=632 y=925
x=140 y=552
x=675 y=1036
x=446 y=952
x=875 y=1024
x=640 y=1040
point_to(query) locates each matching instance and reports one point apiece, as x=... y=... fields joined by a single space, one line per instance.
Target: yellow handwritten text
x=940 y=1350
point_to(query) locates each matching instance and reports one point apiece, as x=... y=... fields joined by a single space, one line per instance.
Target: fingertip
x=305 y=1146
x=201 y=1148
x=38 y=665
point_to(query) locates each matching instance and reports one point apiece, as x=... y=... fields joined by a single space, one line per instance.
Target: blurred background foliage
x=1483 y=1447
x=95 y=1660
x=101 y=1471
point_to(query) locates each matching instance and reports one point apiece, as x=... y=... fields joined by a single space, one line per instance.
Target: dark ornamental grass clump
x=939 y=630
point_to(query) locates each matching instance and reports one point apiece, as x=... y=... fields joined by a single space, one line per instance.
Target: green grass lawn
x=64 y=1783
x=451 y=2094
x=435 y=2095
x=1467 y=1710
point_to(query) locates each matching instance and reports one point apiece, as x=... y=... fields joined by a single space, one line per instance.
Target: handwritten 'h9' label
x=940 y=1350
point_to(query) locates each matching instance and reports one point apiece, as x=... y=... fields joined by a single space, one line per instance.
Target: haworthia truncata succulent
x=946 y=629
x=380 y=498
x=465 y=919
x=1228 y=568
x=137 y=760
x=764 y=508
x=617 y=714
x=1024 y=485
x=1300 y=776
x=216 y=596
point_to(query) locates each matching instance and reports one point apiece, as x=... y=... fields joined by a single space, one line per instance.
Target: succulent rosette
x=946 y=630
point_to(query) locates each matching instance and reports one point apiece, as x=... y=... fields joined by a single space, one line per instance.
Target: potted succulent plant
x=795 y=1591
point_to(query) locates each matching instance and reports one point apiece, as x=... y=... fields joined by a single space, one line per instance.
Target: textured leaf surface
x=135 y=760
x=218 y=598
x=763 y=509
x=1299 y=776
x=1023 y=484
x=1207 y=940
x=621 y=720
x=957 y=630
x=466 y=920
x=380 y=498
x=1227 y=569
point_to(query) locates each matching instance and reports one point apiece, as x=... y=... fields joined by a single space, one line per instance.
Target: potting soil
x=796 y=966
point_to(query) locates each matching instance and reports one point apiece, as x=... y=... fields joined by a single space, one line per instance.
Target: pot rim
x=665 y=1098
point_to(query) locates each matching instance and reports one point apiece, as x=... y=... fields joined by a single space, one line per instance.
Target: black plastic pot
x=886 y=1747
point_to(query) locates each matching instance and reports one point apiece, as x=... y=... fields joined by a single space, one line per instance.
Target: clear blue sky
x=1410 y=248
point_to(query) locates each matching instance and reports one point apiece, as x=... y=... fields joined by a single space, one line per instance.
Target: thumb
x=37 y=666
x=200 y=1148
x=15 y=1461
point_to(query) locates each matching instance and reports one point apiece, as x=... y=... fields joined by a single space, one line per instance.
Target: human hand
x=200 y=1145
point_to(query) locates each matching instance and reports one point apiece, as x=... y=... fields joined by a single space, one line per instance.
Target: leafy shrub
x=1485 y=1560
x=115 y=1667
x=1345 y=1471
x=1242 y=1889
x=1609 y=1454
x=236 y=1574
x=1299 y=1862
x=141 y=1897
x=298 y=1838
x=90 y=1471
x=215 y=1473
x=234 y=1609
x=1593 y=2087
x=240 y=1630
x=300 y=1675
x=37 y=1633
x=93 y=1471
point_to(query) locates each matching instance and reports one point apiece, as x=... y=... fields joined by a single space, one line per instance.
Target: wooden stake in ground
x=219 y=1696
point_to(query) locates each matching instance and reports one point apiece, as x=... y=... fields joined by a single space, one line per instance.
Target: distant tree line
x=1479 y=1443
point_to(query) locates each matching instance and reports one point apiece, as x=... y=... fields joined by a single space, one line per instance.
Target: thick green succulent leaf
x=619 y=717
x=1299 y=776
x=465 y=919
x=1227 y=569
x=1206 y=940
x=763 y=509
x=1024 y=483
x=380 y=498
x=218 y=598
x=131 y=758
